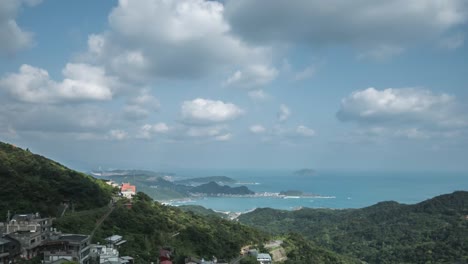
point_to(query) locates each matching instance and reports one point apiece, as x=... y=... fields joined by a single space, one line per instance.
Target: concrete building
x=72 y=247
x=107 y=254
x=264 y=258
x=30 y=230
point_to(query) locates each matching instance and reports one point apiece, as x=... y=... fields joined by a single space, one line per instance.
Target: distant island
x=201 y=180
x=305 y=172
x=212 y=188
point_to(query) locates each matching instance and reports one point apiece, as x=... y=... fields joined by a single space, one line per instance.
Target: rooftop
x=73 y=237
x=4 y=241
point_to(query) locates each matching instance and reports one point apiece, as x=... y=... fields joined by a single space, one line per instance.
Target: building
x=30 y=230
x=115 y=240
x=264 y=258
x=9 y=249
x=72 y=247
x=127 y=190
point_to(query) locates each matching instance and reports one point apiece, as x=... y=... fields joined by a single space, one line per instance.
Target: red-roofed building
x=128 y=190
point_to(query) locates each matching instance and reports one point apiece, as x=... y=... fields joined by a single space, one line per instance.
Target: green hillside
x=433 y=231
x=32 y=183
x=149 y=225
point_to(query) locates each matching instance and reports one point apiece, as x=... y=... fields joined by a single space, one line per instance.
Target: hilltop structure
x=127 y=190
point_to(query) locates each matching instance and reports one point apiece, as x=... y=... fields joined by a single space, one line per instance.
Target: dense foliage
x=302 y=251
x=433 y=231
x=32 y=183
x=148 y=226
x=200 y=210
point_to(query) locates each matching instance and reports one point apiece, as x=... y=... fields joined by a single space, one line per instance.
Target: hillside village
x=29 y=236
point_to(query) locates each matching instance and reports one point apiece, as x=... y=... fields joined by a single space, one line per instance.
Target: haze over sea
x=349 y=189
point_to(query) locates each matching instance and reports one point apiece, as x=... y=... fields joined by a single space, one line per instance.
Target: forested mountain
x=32 y=183
x=433 y=231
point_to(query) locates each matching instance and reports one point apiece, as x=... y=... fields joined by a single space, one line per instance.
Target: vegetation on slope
x=303 y=251
x=434 y=231
x=148 y=226
x=200 y=210
x=32 y=183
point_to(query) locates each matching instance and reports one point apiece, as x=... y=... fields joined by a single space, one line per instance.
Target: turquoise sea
x=349 y=189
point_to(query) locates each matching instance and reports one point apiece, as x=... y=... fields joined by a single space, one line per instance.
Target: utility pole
x=8 y=222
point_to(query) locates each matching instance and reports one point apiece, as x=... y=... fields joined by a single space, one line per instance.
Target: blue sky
x=160 y=84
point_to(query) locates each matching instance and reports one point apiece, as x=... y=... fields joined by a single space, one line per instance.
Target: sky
x=166 y=84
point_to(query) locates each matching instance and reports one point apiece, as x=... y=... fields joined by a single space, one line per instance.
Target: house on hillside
x=30 y=230
x=264 y=258
x=72 y=247
x=127 y=190
x=108 y=254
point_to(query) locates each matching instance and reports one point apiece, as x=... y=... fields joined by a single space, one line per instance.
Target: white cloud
x=258 y=95
x=205 y=111
x=415 y=113
x=13 y=37
x=141 y=106
x=304 y=131
x=186 y=39
x=365 y=24
x=283 y=113
x=257 y=129
x=400 y=105
x=117 y=134
x=56 y=118
x=147 y=131
x=252 y=77
x=82 y=82
x=216 y=133
x=306 y=73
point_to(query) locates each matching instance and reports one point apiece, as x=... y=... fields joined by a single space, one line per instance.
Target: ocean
x=341 y=189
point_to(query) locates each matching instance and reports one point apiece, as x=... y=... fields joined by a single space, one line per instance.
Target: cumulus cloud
x=407 y=111
x=49 y=119
x=147 y=131
x=141 y=106
x=366 y=24
x=205 y=111
x=257 y=129
x=82 y=82
x=284 y=113
x=13 y=37
x=252 y=77
x=401 y=105
x=186 y=39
